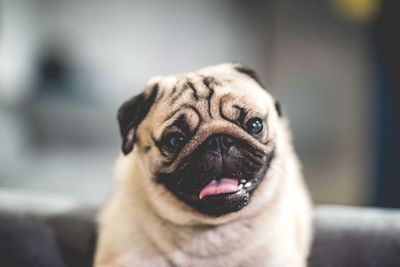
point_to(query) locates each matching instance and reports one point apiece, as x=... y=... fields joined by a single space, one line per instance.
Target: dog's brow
x=242 y=110
x=210 y=83
x=189 y=85
x=184 y=106
x=175 y=94
x=182 y=123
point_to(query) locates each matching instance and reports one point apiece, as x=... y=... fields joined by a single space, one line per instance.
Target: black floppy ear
x=249 y=72
x=131 y=113
x=278 y=108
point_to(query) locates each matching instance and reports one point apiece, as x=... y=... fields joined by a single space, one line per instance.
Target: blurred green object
x=359 y=10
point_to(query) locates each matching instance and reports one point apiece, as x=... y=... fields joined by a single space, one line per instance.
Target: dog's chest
x=232 y=244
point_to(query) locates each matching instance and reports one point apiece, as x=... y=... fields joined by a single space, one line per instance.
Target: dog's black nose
x=219 y=143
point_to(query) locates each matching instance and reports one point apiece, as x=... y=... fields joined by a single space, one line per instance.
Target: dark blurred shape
x=355 y=237
x=387 y=48
x=52 y=71
x=55 y=240
x=75 y=232
x=40 y=249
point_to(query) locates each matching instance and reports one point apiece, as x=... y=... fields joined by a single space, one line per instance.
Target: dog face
x=204 y=140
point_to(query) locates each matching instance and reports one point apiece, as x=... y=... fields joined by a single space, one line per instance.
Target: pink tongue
x=224 y=185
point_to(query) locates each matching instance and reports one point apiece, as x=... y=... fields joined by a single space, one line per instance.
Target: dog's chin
x=220 y=204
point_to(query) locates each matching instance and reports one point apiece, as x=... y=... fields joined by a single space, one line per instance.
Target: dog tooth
x=242 y=181
x=248 y=184
x=240 y=186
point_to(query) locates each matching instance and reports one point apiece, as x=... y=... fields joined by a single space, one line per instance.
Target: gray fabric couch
x=54 y=231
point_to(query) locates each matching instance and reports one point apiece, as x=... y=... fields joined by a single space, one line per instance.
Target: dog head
x=204 y=141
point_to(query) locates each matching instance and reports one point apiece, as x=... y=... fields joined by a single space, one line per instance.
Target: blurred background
x=66 y=67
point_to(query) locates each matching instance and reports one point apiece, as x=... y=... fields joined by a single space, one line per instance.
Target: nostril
x=212 y=143
x=221 y=143
x=227 y=141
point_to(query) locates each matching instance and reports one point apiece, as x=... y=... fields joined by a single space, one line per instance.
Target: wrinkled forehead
x=205 y=95
x=212 y=84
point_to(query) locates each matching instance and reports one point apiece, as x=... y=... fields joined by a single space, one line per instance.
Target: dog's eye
x=255 y=125
x=175 y=140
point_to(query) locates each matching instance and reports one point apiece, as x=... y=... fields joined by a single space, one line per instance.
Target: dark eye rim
x=250 y=121
x=167 y=141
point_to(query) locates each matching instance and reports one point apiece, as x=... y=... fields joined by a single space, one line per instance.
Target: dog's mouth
x=222 y=196
x=216 y=184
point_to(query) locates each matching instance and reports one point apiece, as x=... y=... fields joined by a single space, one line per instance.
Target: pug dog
x=208 y=177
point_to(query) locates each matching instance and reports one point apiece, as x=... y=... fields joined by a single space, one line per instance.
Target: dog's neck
x=207 y=242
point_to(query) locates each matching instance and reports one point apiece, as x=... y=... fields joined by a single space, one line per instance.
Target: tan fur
x=143 y=224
